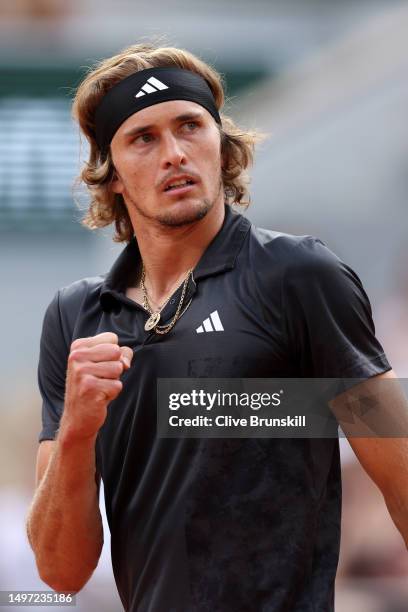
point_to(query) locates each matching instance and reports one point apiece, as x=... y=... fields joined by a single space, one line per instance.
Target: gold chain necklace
x=153 y=320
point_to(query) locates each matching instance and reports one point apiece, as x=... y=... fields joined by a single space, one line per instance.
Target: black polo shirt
x=221 y=525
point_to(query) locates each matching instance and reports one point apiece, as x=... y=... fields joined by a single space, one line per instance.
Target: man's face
x=171 y=142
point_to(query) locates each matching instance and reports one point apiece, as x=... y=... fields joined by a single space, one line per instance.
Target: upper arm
x=328 y=316
x=384 y=458
x=52 y=366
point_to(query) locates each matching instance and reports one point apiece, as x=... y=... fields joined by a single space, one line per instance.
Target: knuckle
x=111 y=337
x=101 y=396
x=127 y=352
x=86 y=384
x=116 y=352
x=109 y=351
x=77 y=343
x=117 y=387
x=114 y=388
x=118 y=365
x=74 y=356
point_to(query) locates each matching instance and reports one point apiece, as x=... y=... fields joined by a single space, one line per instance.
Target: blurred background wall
x=327 y=81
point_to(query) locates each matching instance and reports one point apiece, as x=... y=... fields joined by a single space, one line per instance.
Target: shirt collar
x=219 y=256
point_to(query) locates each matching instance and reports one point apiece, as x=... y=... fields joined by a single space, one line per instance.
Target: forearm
x=64 y=524
x=397 y=505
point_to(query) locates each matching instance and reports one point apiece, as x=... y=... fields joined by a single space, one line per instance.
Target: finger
x=104 y=369
x=102 y=338
x=126 y=356
x=107 y=390
x=101 y=352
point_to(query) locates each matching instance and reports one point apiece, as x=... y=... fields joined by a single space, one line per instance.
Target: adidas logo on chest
x=211 y=324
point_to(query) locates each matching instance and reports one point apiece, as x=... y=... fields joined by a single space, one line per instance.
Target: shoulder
x=71 y=300
x=78 y=291
x=302 y=253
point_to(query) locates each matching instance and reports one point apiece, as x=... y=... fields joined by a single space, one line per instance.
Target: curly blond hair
x=106 y=207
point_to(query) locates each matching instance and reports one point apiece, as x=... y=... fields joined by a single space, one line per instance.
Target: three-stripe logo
x=151 y=86
x=212 y=323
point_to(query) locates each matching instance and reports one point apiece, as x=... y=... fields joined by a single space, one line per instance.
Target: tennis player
x=197 y=524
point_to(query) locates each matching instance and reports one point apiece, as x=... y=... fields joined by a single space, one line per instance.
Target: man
x=196 y=524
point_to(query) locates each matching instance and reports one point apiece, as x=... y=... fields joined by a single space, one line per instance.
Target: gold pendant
x=152 y=321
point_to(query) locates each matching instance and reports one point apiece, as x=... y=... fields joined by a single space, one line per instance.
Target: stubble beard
x=172 y=219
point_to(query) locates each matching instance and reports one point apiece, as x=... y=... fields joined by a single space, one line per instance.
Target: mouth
x=178 y=186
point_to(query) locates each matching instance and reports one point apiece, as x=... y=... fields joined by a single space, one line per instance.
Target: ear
x=116 y=183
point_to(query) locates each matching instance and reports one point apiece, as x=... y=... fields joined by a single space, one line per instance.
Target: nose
x=172 y=153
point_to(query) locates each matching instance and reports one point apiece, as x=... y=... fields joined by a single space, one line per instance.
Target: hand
x=95 y=365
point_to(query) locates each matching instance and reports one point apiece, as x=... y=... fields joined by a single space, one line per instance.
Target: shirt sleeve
x=52 y=369
x=328 y=316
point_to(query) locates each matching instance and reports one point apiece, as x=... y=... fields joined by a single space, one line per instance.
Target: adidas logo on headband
x=151 y=86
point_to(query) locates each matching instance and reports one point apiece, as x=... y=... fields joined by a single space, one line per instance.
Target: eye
x=191 y=125
x=144 y=138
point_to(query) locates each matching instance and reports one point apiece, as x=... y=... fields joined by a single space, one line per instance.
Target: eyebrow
x=144 y=128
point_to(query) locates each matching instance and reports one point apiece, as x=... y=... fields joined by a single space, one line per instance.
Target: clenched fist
x=95 y=365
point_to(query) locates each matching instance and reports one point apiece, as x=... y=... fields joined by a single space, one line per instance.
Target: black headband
x=145 y=88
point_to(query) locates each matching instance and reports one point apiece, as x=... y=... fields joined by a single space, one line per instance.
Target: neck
x=168 y=253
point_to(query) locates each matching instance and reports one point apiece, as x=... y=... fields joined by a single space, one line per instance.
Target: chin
x=184 y=212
